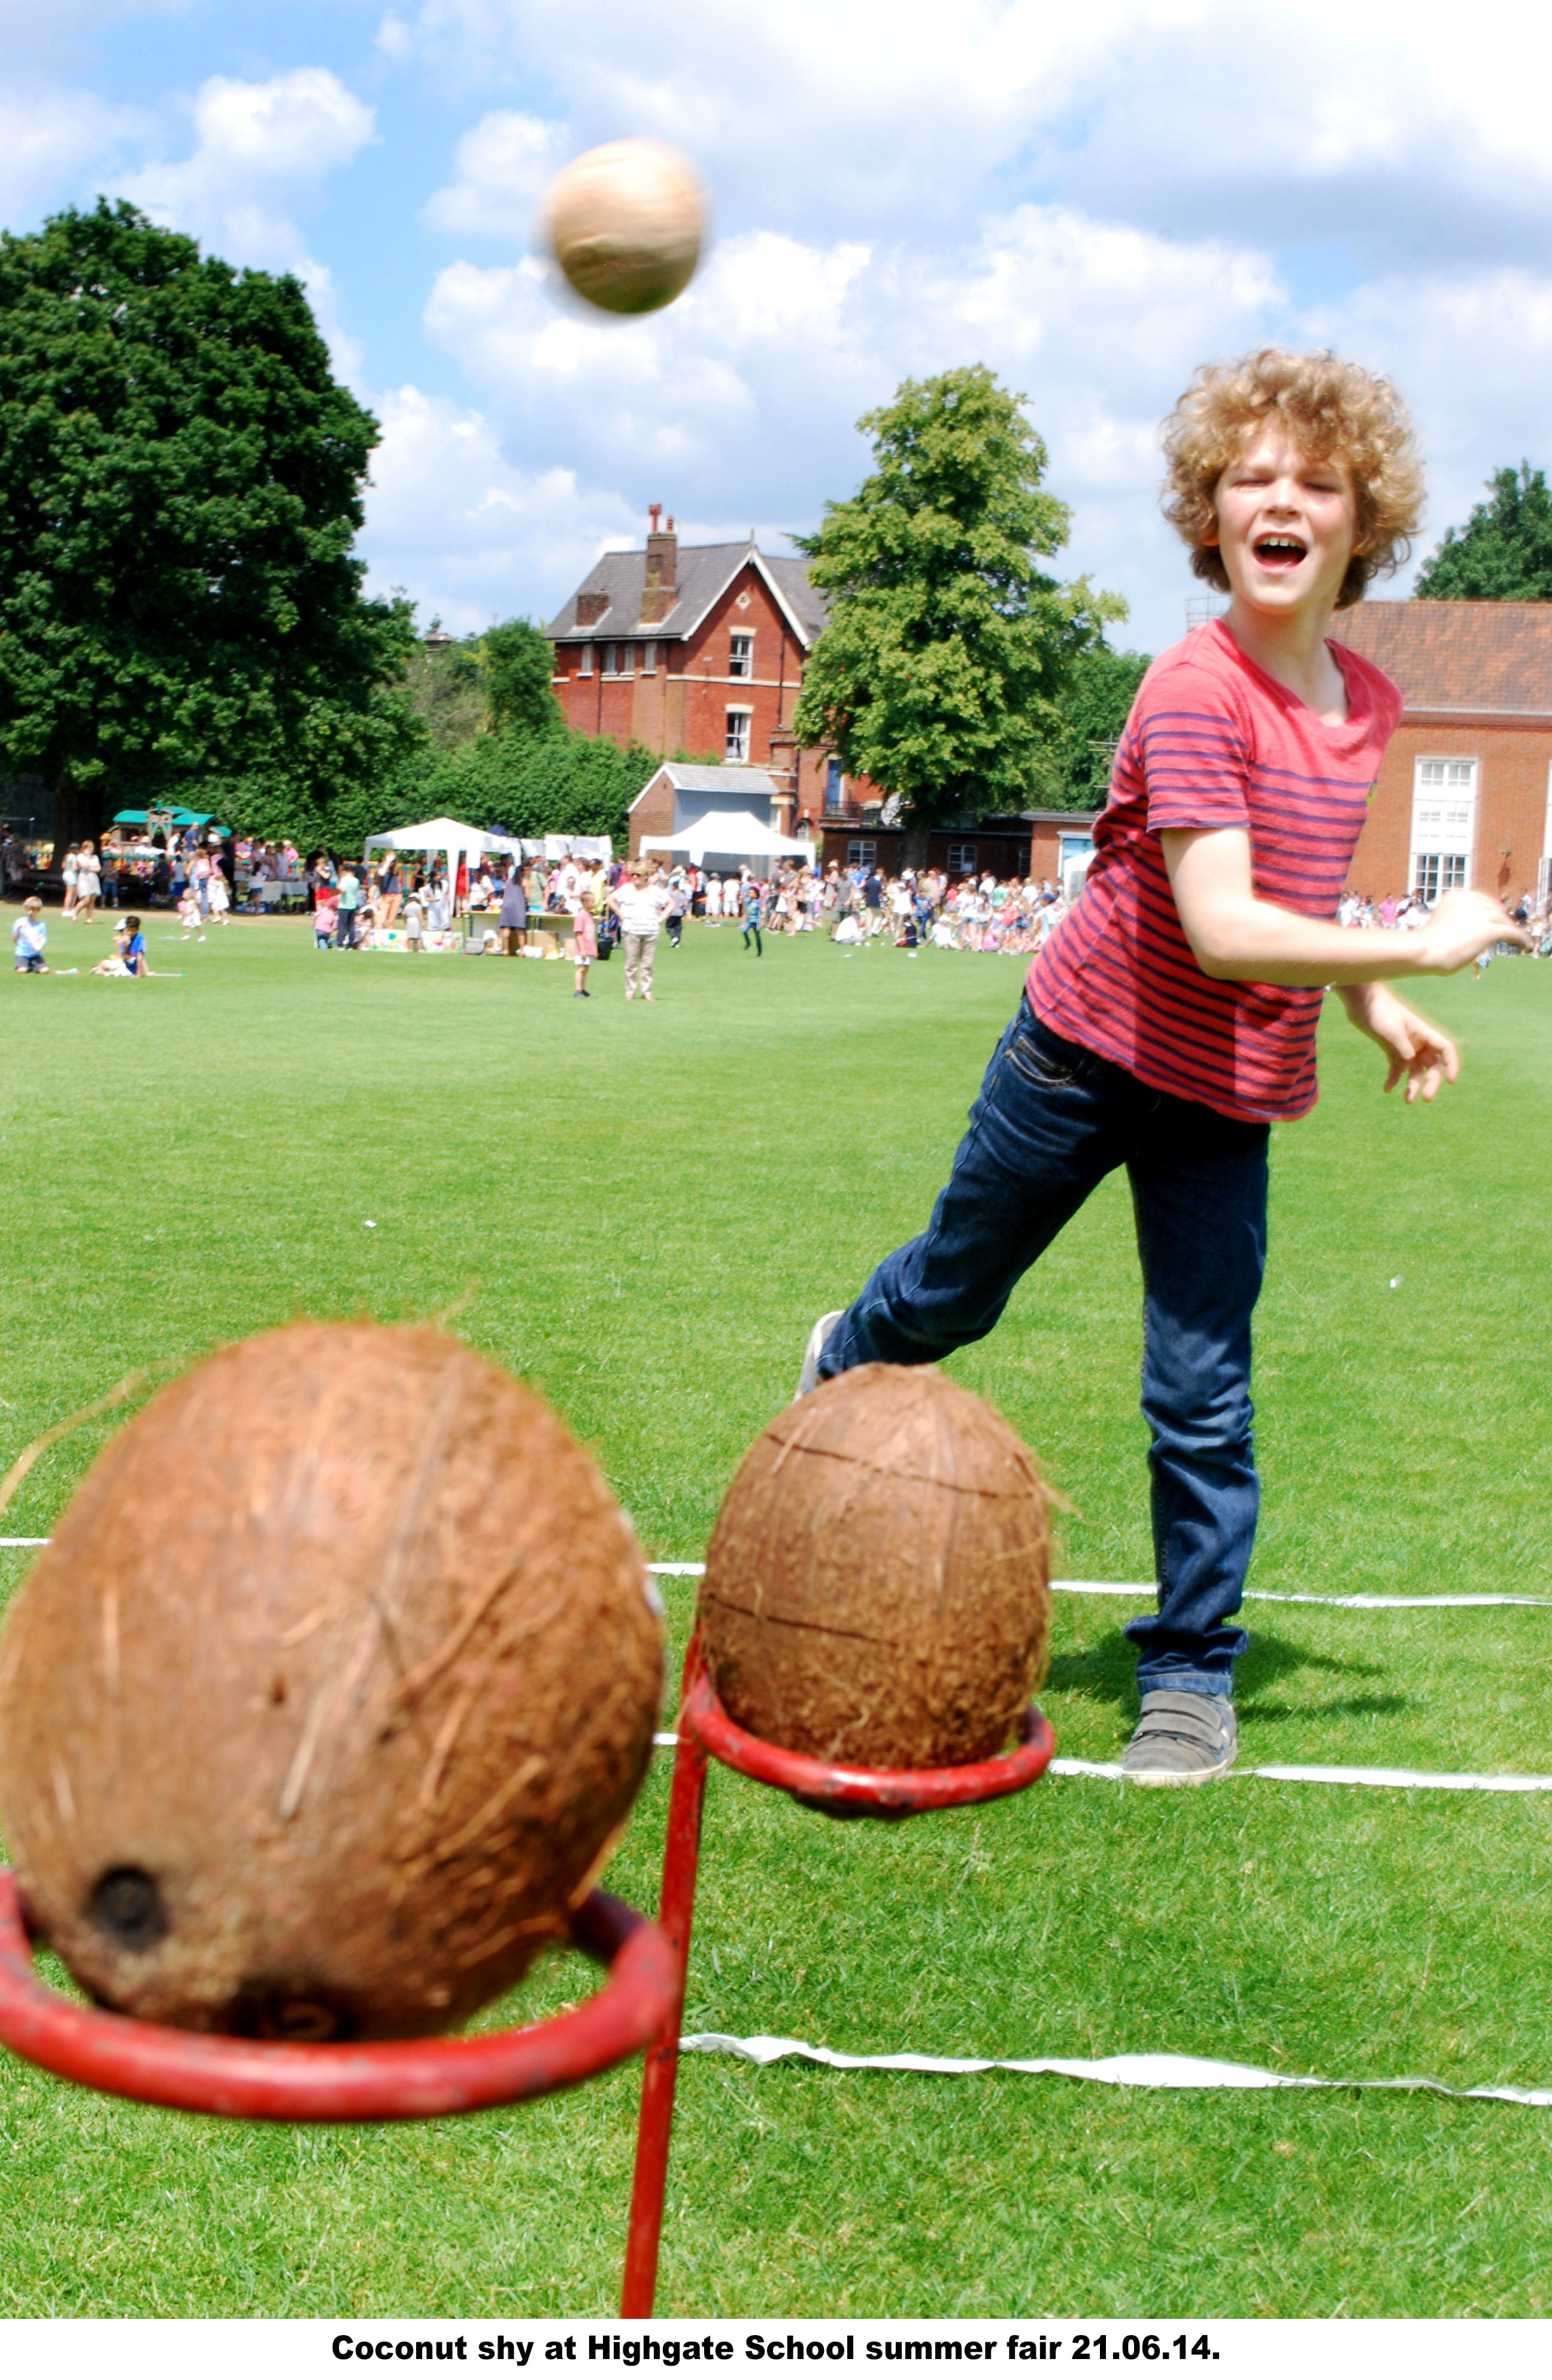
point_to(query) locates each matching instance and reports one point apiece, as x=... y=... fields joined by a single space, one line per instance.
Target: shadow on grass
x=1106 y=1672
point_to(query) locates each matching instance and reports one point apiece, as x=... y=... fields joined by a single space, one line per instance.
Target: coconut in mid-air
x=625 y=224
x=330 y=1695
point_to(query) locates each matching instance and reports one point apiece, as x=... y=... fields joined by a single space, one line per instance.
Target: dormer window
x=741 y=653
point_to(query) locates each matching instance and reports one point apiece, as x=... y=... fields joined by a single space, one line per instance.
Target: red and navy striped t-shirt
x=1213 y=741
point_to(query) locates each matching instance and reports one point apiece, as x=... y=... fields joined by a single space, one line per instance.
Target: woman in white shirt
x=639 y=907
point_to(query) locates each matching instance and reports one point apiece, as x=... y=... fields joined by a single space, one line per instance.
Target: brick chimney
x=590 y=609
x=661 y=591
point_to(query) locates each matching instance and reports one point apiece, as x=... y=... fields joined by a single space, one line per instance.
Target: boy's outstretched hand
x=1462 y=925
x=1414 y=1046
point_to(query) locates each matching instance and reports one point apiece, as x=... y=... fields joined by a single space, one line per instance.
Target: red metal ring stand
x=705 y=1731
x=337 y=2083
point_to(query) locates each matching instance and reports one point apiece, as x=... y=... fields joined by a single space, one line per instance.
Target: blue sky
x=1091 y=200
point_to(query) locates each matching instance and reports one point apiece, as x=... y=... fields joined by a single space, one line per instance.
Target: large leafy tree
x=180 y=484
x=568 y=783
x=519 y=666
x=1100 y=689
x=1504 y=553
x=939 y=673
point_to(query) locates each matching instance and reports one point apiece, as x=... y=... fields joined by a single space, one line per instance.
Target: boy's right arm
x=1237 y=937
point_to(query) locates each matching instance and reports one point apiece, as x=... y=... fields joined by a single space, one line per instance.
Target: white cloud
x=1201 y=171
x=472 y=537
x=52 y=141
x=1473 y=355
x=503 y=165
x=256 y=145
x=261 y=150
x=741 y=398
x=1377 y=122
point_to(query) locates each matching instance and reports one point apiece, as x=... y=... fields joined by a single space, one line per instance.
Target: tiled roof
x=687 y=779
x=1464 y=657
x=702 y=572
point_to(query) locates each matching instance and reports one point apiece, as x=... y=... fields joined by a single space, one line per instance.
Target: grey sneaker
x=809 y=1376
x=1181 y=1739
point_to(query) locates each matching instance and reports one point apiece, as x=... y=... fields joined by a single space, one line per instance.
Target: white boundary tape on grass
x=1141 y=1586
x=1253 y=1594
x=1403 y=1780
x=1139 y=2072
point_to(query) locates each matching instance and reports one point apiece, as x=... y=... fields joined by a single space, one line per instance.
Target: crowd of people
x=1408 y=911
x=532 y=907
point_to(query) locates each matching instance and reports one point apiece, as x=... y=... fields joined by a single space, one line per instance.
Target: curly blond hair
x=1335 y=412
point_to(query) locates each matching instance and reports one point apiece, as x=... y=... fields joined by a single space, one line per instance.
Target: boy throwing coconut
x=1172 y=1018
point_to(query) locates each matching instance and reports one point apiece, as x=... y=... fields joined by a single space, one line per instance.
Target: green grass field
x=642 y=1211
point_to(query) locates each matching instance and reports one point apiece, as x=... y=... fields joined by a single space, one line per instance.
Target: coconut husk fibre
x=876 y=1586
x=330 y=1695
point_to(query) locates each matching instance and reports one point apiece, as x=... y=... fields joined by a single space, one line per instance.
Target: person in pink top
x=1170 y=1019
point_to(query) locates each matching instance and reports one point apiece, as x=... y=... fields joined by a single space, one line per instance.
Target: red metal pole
x=681 y=1862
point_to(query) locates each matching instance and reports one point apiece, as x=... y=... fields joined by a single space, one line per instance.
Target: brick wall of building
x=682 y=703
x=653 y=814
x=1512 y=761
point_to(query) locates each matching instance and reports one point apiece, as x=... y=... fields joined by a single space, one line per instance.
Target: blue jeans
x=1053 y=1120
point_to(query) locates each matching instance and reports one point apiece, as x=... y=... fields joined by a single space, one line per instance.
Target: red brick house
x=700 y=648
x=1464 y=797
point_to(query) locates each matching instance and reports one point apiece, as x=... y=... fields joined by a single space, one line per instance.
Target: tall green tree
x=1100 y=690
x=1504 y=553
x=939 y=671
x=569 y=783
x=180 y=483
x=445 y=686
x=520 y=665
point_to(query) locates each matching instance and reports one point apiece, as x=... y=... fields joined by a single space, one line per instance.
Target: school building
x=701 y=649
x=1464 y=797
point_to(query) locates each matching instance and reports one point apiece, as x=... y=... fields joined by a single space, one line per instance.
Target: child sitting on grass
x=129 y=952
x=1171 y=1019
x=29 y=938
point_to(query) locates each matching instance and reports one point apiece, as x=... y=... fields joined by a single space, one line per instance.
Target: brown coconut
x=330 y=1695
x=625 y=224
x=876 y=1586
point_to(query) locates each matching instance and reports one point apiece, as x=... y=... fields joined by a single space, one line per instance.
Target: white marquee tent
x=457 y=842
x=729 y=838
x=445 y=835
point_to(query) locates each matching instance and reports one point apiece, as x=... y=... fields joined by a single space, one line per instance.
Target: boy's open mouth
x=1280 y=552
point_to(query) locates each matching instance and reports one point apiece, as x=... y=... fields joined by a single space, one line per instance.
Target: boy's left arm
x=1416 y=1047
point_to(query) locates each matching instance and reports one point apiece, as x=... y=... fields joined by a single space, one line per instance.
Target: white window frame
x=585 y=666
x=627 y=661
x=739 y=734
x=862 y=853
x=1444 y=811
x=962 y=859
x=649 y=658
x=741 y=652
x=611 y=661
